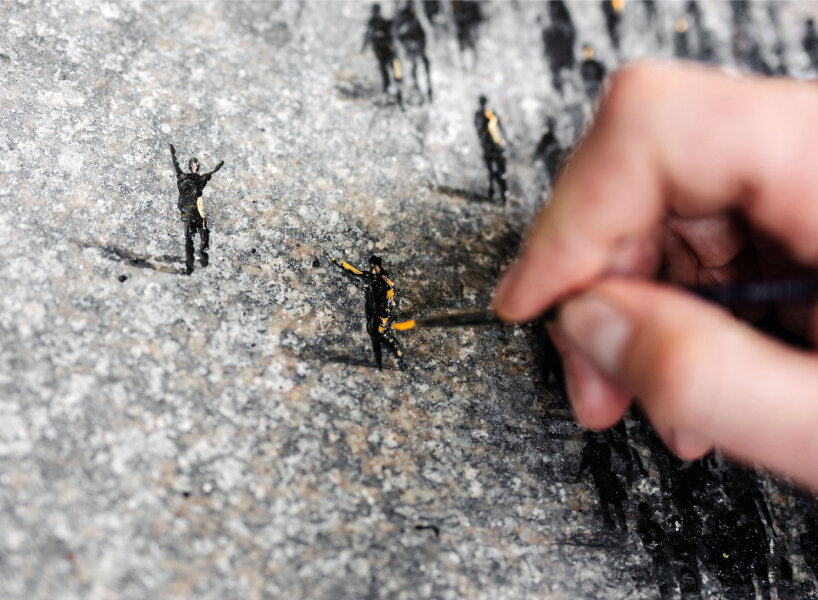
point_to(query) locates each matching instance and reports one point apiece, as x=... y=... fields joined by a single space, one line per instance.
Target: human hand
x=696 y=177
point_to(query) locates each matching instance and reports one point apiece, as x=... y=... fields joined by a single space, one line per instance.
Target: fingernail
x=689 y=445
x=597 y=328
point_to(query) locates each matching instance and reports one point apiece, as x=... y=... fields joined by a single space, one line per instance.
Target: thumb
x=703 y=377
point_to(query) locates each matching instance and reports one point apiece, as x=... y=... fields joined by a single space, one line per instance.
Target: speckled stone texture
x=225 y=435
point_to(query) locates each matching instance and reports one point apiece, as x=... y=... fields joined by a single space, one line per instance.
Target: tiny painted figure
x=549 y=151
x=379 y=34
x=558 y=40
x=612 y=10
x=191 y=186
x=592 y=72
x=413 y=39
x=467 y=18
x=380 y=308
x=490 y=132
x=810 y=42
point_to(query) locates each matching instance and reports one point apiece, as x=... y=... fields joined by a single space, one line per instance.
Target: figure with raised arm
x=191 y=185
x=380 y=307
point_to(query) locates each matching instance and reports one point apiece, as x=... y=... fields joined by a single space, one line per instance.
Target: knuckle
x=630 y=91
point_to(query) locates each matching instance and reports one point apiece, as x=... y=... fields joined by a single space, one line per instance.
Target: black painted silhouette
x=549 y=151
x=191 y=185
x=746 y=50
x=558 y=39
x=380 y=308
x=617 y=437
x=491 y=135
x=413 y=39
x=810 y=43
x=467 y=18
x=681 y=39
x=683 y=558
x=612 y=9
x=596 y=458
x=653 y=540
x=592 y=72
x=705 y=46
x=379 y=34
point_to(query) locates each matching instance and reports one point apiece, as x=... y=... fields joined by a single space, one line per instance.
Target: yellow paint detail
x=349 y=267
x=404 y=325
x=384 y=320
x=200 y=206
x=618 y=5
x=380 y=329
x=587 y=52
x=390 y=294
x=400 y=353
x=494 y=128
x=396 y=68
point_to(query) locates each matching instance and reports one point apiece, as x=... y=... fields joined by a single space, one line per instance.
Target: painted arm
x=390 y=293
x=175 y=162
x=503 y=134
x=348 y=268
x=207 y=176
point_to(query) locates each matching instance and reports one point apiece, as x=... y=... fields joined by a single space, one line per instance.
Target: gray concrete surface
x=224 y=435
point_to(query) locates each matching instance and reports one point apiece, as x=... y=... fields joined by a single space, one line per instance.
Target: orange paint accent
x=404 y=325
x=494 y=128
x=349 y=267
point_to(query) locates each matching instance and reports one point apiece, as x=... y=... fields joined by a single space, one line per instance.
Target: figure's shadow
x=468 y=195
x=164 y=263
x=339 y=357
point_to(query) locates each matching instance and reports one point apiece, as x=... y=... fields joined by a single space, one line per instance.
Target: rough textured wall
x=225 y=434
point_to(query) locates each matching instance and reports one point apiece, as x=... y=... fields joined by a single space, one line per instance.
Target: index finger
x=680 y=138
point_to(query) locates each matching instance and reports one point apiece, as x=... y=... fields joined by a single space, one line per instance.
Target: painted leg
x=189 y=233
x=390 y=340
x=428 y=74
x=500 y=175
x=490 y=168
x=384 y=75
x=376 y=349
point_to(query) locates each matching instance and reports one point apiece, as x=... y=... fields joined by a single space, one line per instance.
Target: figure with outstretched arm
x=380 y=307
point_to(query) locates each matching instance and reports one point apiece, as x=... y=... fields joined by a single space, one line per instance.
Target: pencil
x=751 y=293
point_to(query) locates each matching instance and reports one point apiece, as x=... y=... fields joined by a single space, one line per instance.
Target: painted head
x=193 y=165
x=376 y=10
x=375 y=264
x=588 y=52
x=483 y=101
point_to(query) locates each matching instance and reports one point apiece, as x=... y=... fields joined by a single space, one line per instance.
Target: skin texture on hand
x=688 y=176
